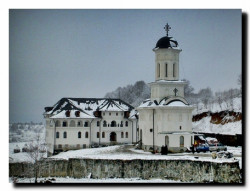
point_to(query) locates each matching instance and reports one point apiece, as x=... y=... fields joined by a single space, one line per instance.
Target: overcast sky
x=87 y=53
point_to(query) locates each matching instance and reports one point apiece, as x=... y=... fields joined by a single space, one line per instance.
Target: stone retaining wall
x=184 y=170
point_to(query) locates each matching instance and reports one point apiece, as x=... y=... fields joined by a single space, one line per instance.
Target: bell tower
x=167 y=82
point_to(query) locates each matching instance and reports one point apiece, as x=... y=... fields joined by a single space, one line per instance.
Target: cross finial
x=167 y=28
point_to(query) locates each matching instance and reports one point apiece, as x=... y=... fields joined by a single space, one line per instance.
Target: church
x=166 y=118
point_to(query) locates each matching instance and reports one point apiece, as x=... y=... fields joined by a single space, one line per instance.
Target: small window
x=151 y=130
x=79 y=135
x=122 y=135
x=98 y=123
x=126 y=134
x=104 y=124
x=79 y=123
x=103 y=134
x=126 y=123
x=86 y=124
x=110 y=114
x=87 y=135
x=57 y=135
x=65 y=124
x=67 y=113
x=180 y=127
x=121 y=124
x=166 y=72
x=174 y=70
x=84 y=146
x=158 y=70
x=97 y=135
x=58 y=124
x=116 y=114
x=65 y=134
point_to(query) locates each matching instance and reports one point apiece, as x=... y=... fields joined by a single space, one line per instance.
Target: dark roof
x=166 y=42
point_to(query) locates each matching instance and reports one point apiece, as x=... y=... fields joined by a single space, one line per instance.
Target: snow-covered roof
x=85 y=107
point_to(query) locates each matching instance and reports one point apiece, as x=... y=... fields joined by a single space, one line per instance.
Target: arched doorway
x=113 y=137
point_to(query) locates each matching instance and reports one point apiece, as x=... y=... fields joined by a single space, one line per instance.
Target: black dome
x=166 y=42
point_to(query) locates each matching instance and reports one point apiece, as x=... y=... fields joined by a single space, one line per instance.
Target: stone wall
x=184 y=170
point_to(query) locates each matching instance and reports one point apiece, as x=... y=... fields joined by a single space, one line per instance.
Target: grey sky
x=87 y=53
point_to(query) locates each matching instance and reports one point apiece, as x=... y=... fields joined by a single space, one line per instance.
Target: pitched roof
x=87 y=106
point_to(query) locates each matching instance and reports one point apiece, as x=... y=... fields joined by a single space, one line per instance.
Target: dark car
x=201 y=148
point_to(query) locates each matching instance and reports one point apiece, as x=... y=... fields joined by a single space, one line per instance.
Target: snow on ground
x=87 y=180
x=205 y=126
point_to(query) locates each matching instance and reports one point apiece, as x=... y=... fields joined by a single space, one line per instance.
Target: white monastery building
x=166 y=118
x=76 y=123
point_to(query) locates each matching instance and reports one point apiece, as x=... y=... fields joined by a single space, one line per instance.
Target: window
x=122 y=135
x=77 y=114
x=116 y=114
x=158 y=70
x=104 y=124
x=181 y=141
x=109 y=113
x=72 y=123
x=103 y=134
x=59 y=146
x=58 y=124
x=87 y=135
x=98 y=123
x=79 y=123
x=121 y=124
x=126 y=134
x=65 y=134
x=113 y=124
x=79 y=135
x=57 y=135
x=67 y=113
x=180 y=127
x=65 y=124
x=166 y=71
x=126 y=123
x=86 y=124
x=174 y=70
x=97 y=135
x=151 y=130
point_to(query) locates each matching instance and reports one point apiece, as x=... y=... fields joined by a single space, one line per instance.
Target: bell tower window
x=158 y=70
x=166 y=70
x=174 y=70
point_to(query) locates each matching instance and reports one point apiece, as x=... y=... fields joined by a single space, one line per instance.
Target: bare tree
x=206 y=96
x=36 y=151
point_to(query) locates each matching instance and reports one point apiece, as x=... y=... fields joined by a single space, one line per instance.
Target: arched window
x=166 y=70
x=126 y=134
x=79 y=124
x=86 y=124
x=58 y=124
x=126 y=123
x=65 y=134
x=57 y=135
x=158 y=70
x=122 y=135
x=97 y=135
x=121 y=124
x=113 y=124
x=104 y=124
x=79 y=135
x=103 y=134
x=174 y=69
x=98 y=123
x=181 y=141
x=72 y=123
x=87 y=135
x=65 y=124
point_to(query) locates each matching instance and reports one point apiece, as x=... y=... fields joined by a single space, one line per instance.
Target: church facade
x=77 y=123
x=166 y=118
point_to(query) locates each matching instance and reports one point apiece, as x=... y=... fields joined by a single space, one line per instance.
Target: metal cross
x=167 y=28
x=175 y=91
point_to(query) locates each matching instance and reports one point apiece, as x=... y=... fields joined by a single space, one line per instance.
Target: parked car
x=217 y=147
x=201 y=148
